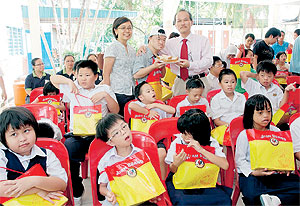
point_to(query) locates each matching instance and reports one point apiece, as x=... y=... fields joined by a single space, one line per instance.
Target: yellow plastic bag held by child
x=271 y=150
x=134 y=180
x=51 y=99
x=140 y=122
x=196 y=171
x=34 y=200
x=222 y=135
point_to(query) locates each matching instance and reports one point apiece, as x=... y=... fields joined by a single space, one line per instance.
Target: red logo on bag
x=131 y=172
x=241 y=64
x=199 y=163
x=274 y=141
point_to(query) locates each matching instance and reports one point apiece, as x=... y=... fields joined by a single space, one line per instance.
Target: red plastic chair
x=176 y=99
x=62 y=154
x=293 y=118
x=126 y=111
x=294 y=98
x=211 y=94
x=43 y=111
x=35 y=93
x=292 y=79
x=141 y=140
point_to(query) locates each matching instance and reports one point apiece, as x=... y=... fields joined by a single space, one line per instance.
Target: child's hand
x=285 y=172
x=155 y=200
x=151 y=106
x=98 y=97
x=195 y=144
x=73 y=87
x=153 y=115
x=179 y=159
x=19 y=186
x=55 y=105
x=158 y=64
x=50 y=195
x=111 y=197
x=291 y=87
x=262 y=172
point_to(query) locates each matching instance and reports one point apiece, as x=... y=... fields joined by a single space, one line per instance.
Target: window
x=15 y=41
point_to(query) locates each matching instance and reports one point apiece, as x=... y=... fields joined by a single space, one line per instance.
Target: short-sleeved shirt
x=242 y=152
x=213 y=81
x=179 y=140
x=295 y=132
x=1 y=72
x=186 y=102
x=32 y=81
x=274 y=93
x=64 y=73
x=78 y=100
x=53 y=165
x=280 y=48
x=162 y=114
x=109 y=158
x=226 y=109
x=121 y=77
x=263 y=51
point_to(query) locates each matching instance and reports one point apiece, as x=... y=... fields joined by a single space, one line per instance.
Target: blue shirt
x=280 y=48
x=295 y=60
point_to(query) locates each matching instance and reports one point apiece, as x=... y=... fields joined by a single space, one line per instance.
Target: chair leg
x=84 y=168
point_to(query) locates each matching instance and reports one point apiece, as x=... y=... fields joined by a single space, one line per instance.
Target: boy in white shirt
x=227 y=104
x=83 y=92
x=214 y=72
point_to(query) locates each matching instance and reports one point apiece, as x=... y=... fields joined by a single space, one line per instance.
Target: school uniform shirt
x=186 y=102
x=162 y=114
x=295 y=133
x=179 y=140
x=242 y=152
x=109 y=158
x=77 y=100
x=53 y=165
x=226 y=109
x=274 y=93
x=213 y=81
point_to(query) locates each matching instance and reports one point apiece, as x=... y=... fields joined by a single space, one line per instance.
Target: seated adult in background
x=94 y=58
x=37 y=78
x=249 y=40
x=227 y=54
x=67 y=71
x=281 y=45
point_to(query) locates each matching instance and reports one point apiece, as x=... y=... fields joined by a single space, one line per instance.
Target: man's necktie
x=184 y=55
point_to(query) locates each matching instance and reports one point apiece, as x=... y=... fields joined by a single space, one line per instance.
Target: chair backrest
x=211 y=94
x=293 y=117
x=176 y=99
x=98 y=148
x=235 y=127
x=126 y=111
x=292 y=79
x=35 y=93
x=62 y=154
x=294 y=98
x=43 y=111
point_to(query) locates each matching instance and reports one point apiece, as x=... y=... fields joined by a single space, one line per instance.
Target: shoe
x=269 y=200
x=77 y=201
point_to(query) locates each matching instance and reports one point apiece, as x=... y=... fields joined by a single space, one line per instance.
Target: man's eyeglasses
x=118 y=132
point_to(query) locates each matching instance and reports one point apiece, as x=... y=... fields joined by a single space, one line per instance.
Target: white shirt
x=226 y=109
x=213 y=81
x=109 y=158
x=65 y=89
x=162 y=114
x=295 y=133
x=199 y=53
x=274 y=93
x=186 y=102
x=179 y=140
x=242 y=152
x=53 y=165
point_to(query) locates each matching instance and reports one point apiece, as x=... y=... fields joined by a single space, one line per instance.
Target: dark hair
x=92 y=55
x=76 y=64
x=250 y=35
x=117 y=22
x=226 y=72
x=45 y=130
x=279 y=54
x=257 y=102
x=87 y=63
x=266 y=66
x=194 y=84
x=137 y=89
x=49 y=87
x=174 y=35
x=215 y=59
x=16 y=117
x=282 y=32
x=180 y=10
x=247 y=51
x=69 y=55
x=34 y=60
x=224 y=64
x=297 y=31
x=196 y=123
x=104 y=124
x=274 y=32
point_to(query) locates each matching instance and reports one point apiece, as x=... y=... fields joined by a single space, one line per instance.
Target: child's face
x=217 y=68
x=265 y=79
x=194 y=95
x=228 y=84
x=250 y=55
x=282 y=58
x=51 y=93
x=187 y=137
x=119 y=135
x=158 y=41
x=86 y=78
x=262 y=118
x=147 y=95
x=20 y=140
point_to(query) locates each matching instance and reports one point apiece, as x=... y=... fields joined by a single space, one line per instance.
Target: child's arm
x=143 y=110
x=285 y=98
x=219 y=161
x=107 y=68
x=4 y=95
x=219 y=122
x=167 y=108
x=112 y=104
x=146 y=70
x=177 y=161
x=110 y=196
x=245 y=75
x=56 y=80
x=35 y=101
x=61 y=106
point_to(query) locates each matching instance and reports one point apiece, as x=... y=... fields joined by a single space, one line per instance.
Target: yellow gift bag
x=140 y=122
x=196 y=171
x=240 y=64
x=271 y=150
x=222 y=135
x=51 y=99
x=34 y=200
x=134 y=180
x=85 y=119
